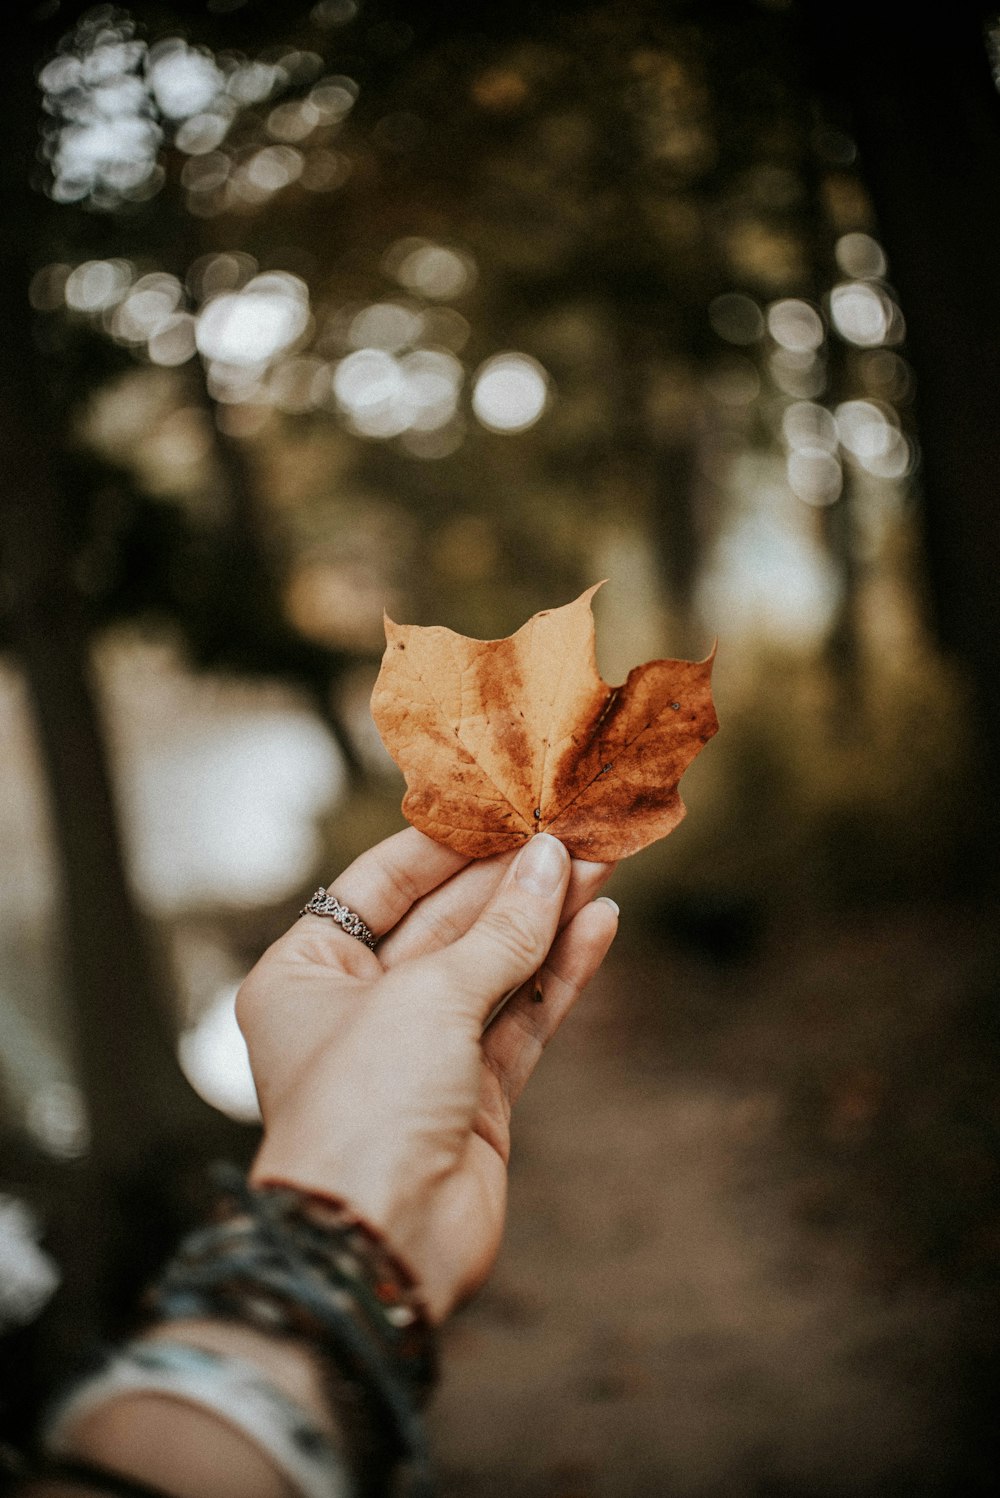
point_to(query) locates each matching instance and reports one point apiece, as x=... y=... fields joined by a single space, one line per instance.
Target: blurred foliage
x=649 y=202
x=609 y=176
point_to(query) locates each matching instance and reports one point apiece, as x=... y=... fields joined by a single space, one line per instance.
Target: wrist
x=337 y=1410
x=195 y=1415
x=304 y=1269
x=390 y=1214
x=288 y=1365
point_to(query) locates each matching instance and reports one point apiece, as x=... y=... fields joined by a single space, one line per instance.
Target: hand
x=383 y=1080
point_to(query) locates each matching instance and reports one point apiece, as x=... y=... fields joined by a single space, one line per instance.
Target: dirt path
x=705 y=1290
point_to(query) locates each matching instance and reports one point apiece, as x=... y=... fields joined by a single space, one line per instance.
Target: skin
x=381 y=1080
x=386 y=1079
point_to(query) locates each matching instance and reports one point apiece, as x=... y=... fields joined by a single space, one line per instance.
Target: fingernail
x=607 y=900
x=542 y=864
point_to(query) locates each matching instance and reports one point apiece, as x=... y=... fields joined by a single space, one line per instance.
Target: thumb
x=512 y=936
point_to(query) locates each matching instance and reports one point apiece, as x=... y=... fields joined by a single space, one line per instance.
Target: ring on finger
x=324 y=902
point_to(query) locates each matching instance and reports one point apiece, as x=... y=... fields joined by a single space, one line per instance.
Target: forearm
x=193 y=1452
x=186 y=1448
x=281 y=1348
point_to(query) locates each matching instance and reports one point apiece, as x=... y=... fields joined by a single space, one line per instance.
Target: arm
x=386 y=1081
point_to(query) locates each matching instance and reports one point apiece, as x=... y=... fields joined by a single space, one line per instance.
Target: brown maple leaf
x=500 y=739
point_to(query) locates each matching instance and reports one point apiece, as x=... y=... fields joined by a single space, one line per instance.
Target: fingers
x=511 y=938
x=448 y=911
x=383 y=883
x=513 y=1043
x=585 y=882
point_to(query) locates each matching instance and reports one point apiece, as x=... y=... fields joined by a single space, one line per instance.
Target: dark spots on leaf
x=538 y=996
x=537 y=813
x=676 y=706
x=606 y=770
x=400 y=645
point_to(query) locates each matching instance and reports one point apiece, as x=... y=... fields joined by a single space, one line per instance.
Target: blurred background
x=451 y=310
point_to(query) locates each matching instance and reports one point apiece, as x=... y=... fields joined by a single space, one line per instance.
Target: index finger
x=448 y=911
x=383 y=883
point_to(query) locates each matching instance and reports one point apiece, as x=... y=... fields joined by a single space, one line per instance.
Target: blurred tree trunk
x=926 y=116
x=235 y=615
x=141 y=1110
x=675 y=531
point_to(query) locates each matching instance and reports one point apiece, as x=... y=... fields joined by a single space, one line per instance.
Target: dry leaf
x=500 y=739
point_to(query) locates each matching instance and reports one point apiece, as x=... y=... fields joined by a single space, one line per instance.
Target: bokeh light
x=895 y=461
x=767 y=578
x=443 y=327
x=47 y=289
x=102 y=137
x=435 y=271
x=206 y=173
x=211 y=274
x=439 y=442
x=861 y=257
x=795 y=325
x=807 y=427
x=383 y=395
x=213 y=1057
x=888 y=375
x=223 y=805
x=332 y=99
x=183 y=80
x=172 y=341
x=385 y=325
x=97 y=284
x=112 y=102
x=433 y=379
x=28 y=1276
x=510 y=392
x=57 y=1119
x=334 y=12
x=861 y=313
x=864 y=428
x=252 y=326
x=324 y=170
x=369 y=387
x=149 y=303
x=814 y=475
x=871 y=434
x=253 y=81
x=737 y=318
x=202 y=133
x=265 y=172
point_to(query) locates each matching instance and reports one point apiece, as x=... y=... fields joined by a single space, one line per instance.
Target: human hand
x=378 y=1083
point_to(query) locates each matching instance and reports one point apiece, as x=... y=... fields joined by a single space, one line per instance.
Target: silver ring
x=324 y=903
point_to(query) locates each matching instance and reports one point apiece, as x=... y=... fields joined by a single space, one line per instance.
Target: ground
x=752 y=1212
